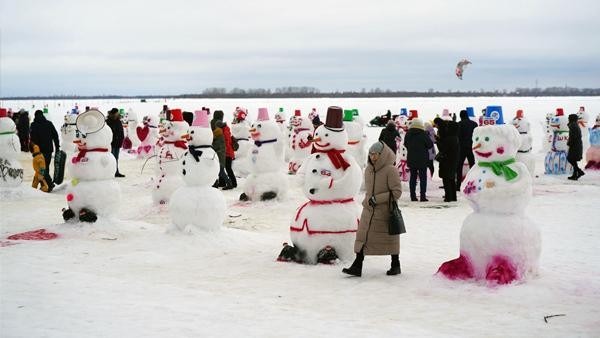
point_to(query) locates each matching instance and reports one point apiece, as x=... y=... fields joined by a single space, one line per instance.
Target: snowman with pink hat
x=300 y=141
x=10 y=168
x=170 y=149
x=266 y=180
x=197 y=205
x=555 y=162
x=524 y=154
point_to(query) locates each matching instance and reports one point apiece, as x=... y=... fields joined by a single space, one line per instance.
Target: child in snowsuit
x=39 y=168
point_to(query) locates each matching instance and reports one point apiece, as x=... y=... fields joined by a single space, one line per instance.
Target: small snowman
x=93 y=192
x=300 y=144
x=324 y=228
x=10 y=149
x=130 y=125
x=402 y=154
x=197 y=205
x=266 y=180
x=281 y=118
x=498 y=242
x=170 y=149
x=68 y=133
x=356 y=137
x=524 y=154
x=147 y=133
x=592 y=155
x=240 y=129
x=556 y=159
x=548 y=133
x=582 y=120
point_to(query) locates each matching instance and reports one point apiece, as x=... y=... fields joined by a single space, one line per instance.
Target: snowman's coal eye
x=487 y=139
x=259 y=126
x=326 y=135
x=477 y=139
x=191 y=132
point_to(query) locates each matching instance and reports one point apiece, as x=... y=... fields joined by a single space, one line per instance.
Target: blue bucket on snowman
x=493 y=116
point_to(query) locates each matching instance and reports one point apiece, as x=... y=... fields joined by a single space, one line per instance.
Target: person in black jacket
x=114 y=122
x=575 y=147
x=417 y=144
x=388 y=135
x=23 y=131
x=43 y=133
x=465 y=142
x=447 y=141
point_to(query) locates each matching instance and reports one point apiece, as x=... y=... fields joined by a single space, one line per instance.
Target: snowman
x=498 y=242
x=402 y=154
x=281 y=117
x=324 y=228
x=130 y=125
x=197 y=205
x=582 y=120
x=356 y=137
x=170 y=149
x=68 y=133
x=592 y=155
x=556 y=159
x=148 y=136
x=548 y=133
x=93 y=192
x=524 y=154
x=300 y=142
x=240 y=129
x=10 y=149
x=266 y=180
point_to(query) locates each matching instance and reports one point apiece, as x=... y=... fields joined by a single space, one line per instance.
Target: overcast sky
x=134 y=47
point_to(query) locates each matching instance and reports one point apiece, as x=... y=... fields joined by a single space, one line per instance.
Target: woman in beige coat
x=372 y=238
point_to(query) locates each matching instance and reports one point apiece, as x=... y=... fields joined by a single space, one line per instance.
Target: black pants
x=449 y=189
x=576 y=169
x=115 y=151
x=431 y=167
x=422 y=173
x=48 y=160
x=462 y=155
x=230 y=173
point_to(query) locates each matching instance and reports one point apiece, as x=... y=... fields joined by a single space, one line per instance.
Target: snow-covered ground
x=129 y=278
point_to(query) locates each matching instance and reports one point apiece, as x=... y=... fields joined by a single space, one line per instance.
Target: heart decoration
x=35 y=235
x=142 y=132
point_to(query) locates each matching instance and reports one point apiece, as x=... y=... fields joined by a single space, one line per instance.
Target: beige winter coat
x=372 y=235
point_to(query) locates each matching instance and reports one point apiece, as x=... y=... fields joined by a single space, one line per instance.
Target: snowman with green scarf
x=498 y=242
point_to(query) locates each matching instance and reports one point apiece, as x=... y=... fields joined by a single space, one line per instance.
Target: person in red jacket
x=229 y=156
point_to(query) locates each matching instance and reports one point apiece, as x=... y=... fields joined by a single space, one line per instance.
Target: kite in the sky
x=460 y=66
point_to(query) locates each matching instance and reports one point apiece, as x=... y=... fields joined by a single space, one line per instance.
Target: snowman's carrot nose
x=253 y=130
x=316 y=139
x=477 y=146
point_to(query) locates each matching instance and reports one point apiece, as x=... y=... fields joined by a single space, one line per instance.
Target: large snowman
x=147 y=133
x=266 y=180
x=300 y=141
x=170 y=149
x=324 y=228
x=555 y=162
x=240 y=130
x=10 y=148
x=93 y=191
x=197 y=205
x=356 y=137
x=524 y=154
x=592 y=155
x=498 y=242
x=68 y=133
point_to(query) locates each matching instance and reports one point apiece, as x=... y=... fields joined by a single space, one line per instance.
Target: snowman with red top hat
x=170 y=149
x=555 y=162
x=240 y=130
x=300 y=141
x=93 y=192
x=197 y=205
x=324 y=228
x=498 y=242
x=266 y=180
x=10 y=148
x=524 y=154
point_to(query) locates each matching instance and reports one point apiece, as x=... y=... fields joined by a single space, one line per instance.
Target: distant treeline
x=311 y=92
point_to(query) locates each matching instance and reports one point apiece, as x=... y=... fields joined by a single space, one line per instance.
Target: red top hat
x=413 y=114
x=519 y=114
x=297 y=112
x=582 y=108
x=3 y=112
x=560 y=112
x=334 y=120
x=176 y=115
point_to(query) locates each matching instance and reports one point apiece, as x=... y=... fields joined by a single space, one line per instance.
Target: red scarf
x=83 y=151
x=335 y=156
x=179 y=143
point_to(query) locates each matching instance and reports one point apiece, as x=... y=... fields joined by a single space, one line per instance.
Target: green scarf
x=7 y=132
x=501 y=168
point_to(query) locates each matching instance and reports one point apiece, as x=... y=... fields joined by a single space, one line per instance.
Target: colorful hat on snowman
x=297 y=112
x=404 y=111
x=334 y=120
x=470 y=112
x=263 y=114
x=560 y=112
x=3 y=112
x=493 y=116
x=348 y=115
x=446 y=114
x=201 y=119
x=176 y=115
x=519 y=114
x=90 y=121
x=413 y=114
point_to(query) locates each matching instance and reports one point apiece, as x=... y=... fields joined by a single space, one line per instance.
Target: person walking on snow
x=417 y=145
x=43 y=133
x=575 y=144
x=114 y=122
x=465 y=145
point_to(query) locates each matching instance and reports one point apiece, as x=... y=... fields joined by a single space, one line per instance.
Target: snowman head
x=93 y=131
x=280 y=116
x=559 y=121
x=597 y=121
x=332 y=134
x=263 y=128
x=7 y=125
x=401 y=122
x=495 y=142
x=296 y=120
x=200 y=133
x=520 y=122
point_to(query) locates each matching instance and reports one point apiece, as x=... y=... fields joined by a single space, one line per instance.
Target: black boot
x=290 y=254
x=356 y=268
x=395 y=269
x=269 y=195
x=68 y=214
x=327 y=255
x=86 y=215
x=244 y=197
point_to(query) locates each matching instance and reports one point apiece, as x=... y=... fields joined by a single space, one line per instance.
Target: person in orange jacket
x=39 y=168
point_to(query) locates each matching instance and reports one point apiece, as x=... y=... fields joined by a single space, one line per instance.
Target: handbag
x=396 y=223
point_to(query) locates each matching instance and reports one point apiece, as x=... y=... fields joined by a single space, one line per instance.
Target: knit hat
x=377 y=147
x=417 y=123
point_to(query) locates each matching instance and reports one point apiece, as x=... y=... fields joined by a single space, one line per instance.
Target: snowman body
x=524 y=154
x=582 y=120
x=241 y=131
x=68 y=133
x=147 y=134
x=266 y=163
x=170 y=150
x=402 y=152
x=592 y=155
x=357 y=141
x=331 y=214
x=555 y=162
x=280 y=118
x=10 y=149
x=498 y=242
x=197 y=205
x=300 y=144
x=548 y=133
